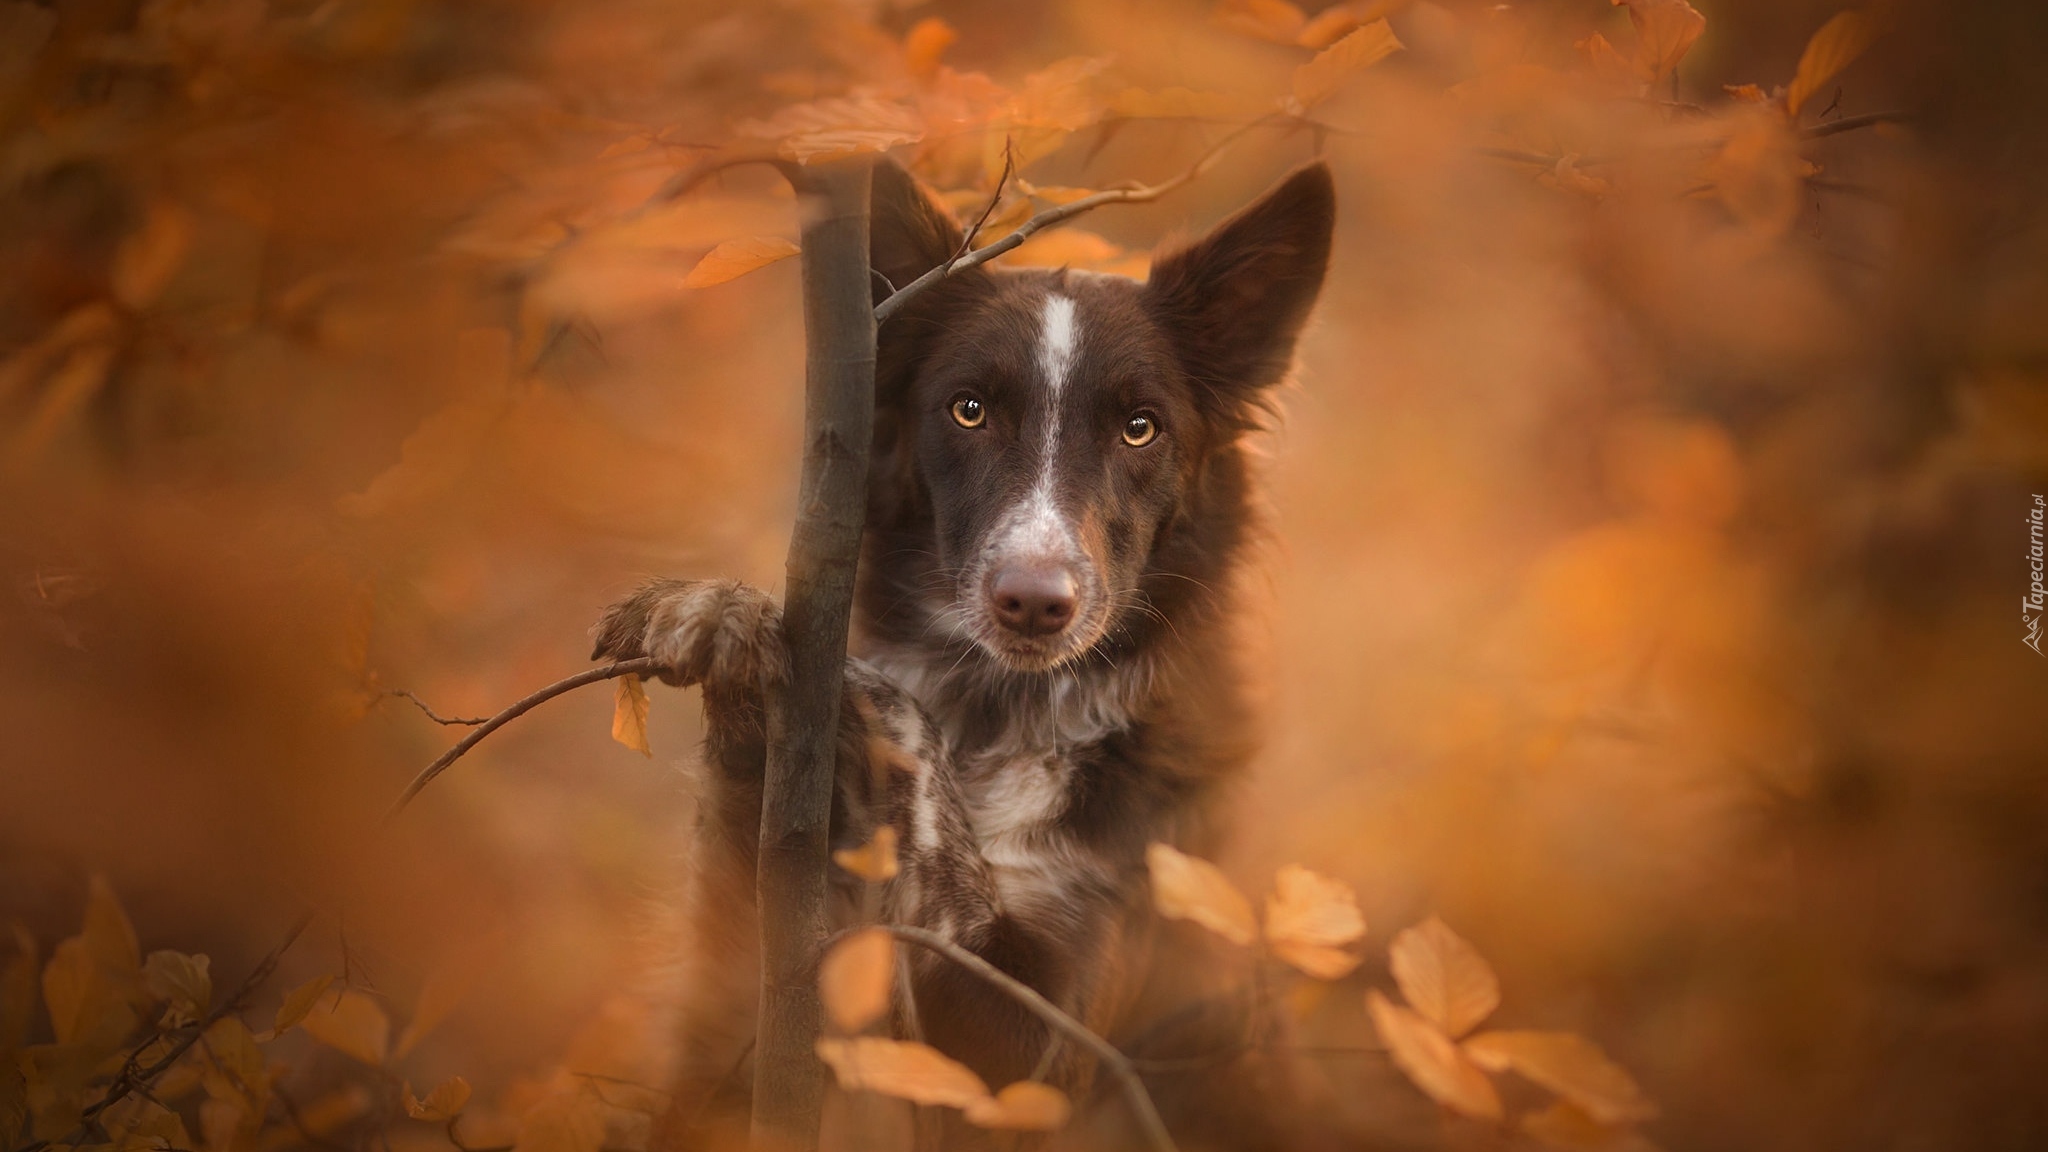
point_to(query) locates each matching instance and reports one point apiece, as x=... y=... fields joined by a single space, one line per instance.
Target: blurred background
x=1648 y=519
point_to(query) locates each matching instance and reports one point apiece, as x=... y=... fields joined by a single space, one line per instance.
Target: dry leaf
x=629 y=715
x=180 y=981
x=444 y=989
x=351 y=1023
x=89 y=1006
x=299 y=1002
x=443 y=1103
x=1566 y=1125
x=1026 y=1106
x=570 y=1121
x=1569 y=1065
x=903 y=1069
x=1745 y=93
x=1310 y=919
x=735 y=258
x=1189 y=888
x=1837 y=45
x=1432 y=1060
x=1179 y=104
x=927 y=40
x=855 y=976
x=1665 y=31
x=1759 y=173
x=1275 y=20
x=1443 y=977
x=874 y=861
x=1319 y=79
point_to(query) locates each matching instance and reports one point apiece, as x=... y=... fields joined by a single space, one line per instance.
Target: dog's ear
x=1234 y=301
x=908 y=235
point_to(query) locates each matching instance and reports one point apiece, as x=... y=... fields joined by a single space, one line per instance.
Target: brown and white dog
x=1045 y=680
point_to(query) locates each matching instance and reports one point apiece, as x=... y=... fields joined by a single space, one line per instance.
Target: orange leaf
x=629 y=713
x=1188 y=888
x=1569 y=1065
x=734 y=259
x=903 y=1069
x=1445 y=978
x=1332 y=23
x=299 y=1002
x=928 y=40
x=353 y=1024
x=1432 y=1060
x=1275 y=20
x=855 y=977
x=874 y=861
x=1745 y=93
x=1319 y=79
x=1310 y=919
x=1837 y=45
x=1565 y=1125
x=1665 y=31
x=443 y=1103
x=1179 y=103
x=1026 y=1106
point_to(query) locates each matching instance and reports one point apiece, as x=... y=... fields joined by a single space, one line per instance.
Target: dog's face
x=1053 y=426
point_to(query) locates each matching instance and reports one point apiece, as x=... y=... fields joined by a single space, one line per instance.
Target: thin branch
x=1061 y=213
x=637 y=667
x=1002 y=182
x=1147 y=1116
x=1851 y=123
x=436 y=717
x=133 y=1076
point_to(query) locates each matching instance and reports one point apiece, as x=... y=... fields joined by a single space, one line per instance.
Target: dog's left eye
x=1141 y=429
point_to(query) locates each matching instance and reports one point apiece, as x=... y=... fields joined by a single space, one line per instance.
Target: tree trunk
x=803 y=719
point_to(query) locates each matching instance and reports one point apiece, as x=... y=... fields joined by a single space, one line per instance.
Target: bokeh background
x=1645 y=562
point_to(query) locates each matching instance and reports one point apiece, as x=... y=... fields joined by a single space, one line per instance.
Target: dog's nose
x=1033 y=600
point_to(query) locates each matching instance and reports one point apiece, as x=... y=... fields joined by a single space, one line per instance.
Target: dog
x=1044 y=682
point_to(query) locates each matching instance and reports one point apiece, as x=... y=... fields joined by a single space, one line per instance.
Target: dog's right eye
x=968 y=412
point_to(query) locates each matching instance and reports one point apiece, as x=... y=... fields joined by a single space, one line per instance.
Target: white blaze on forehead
x=1036 y=525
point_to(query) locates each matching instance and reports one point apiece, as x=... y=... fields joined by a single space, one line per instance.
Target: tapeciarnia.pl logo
x=2036 y=599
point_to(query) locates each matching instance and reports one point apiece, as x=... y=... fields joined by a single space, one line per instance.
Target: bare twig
x=133 y=1076
x=637 y=667
x=1061 y=213
x=1002 y=182
x=1156 y=1136
x=1851 y=123
x=436 y=717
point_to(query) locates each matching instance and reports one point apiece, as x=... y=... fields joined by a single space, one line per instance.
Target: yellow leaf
x=54 y=1078
x=89 y=1005
x=855 y=976
x=1569 y=1065
x=1026 y=1106
x=443 y=1103
x=180 y=981
x=1188 y=888
x=1665 y=31
x=1432 y=1060
x=564 y=1122
x=351 y=1023
x=1275 y=20
x=149 y=257
x=444 y=989
x=1443 y=977
x=299 y=1002
x=108 y=935
x=874 y=861
x=1310 y=918
x=629 y=715
x=927 y=41
x=1837 y=45
x=902 y=1069
x=837 y=128
x=234 y=1052
x=18 y=990
x=1319 y=79
x=1566 y=1125
x=735 y=258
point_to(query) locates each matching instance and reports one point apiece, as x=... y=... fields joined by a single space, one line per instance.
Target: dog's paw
x=720 y=633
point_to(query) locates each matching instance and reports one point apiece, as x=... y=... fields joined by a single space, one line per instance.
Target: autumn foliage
x=1653 y=752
